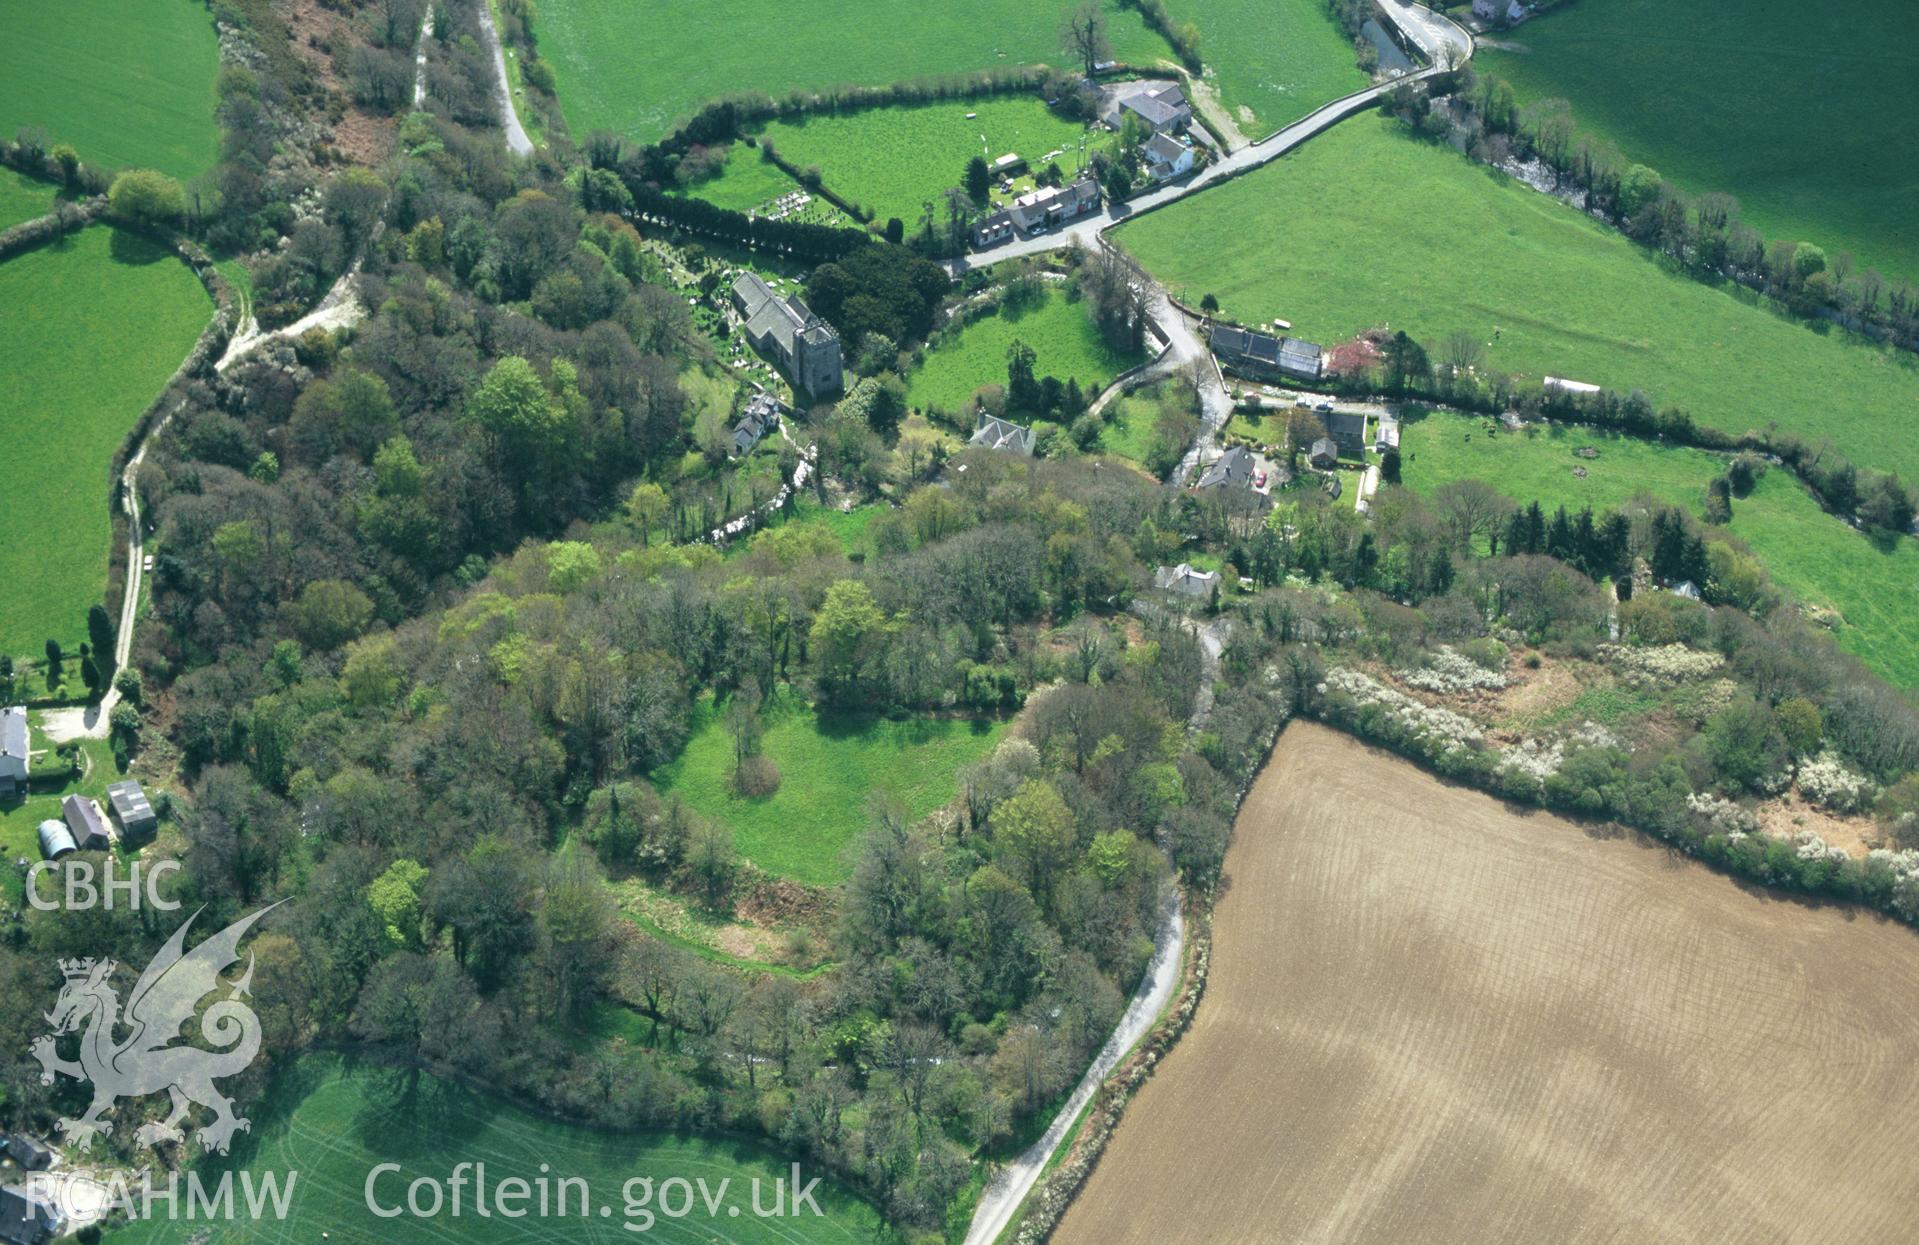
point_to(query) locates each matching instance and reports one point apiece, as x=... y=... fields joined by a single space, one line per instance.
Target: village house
x=1166 y=157
x=1324 y=454
x=1348 y=431
x=1489 y=11
x=31 y=1155
x=16 y=740
x=995 y=433
x=992 y=230
x=805 y=346
x=56 y=840
x=1260 y=356
x=28 y=1217
x=1184 y=581
x=87 y=823
x=131 y=811
x=1054 y=205
x=1162 y=111
x=761 y=416
x=1233 y=469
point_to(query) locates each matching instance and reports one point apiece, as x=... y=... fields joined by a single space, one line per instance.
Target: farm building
x=1055 y=205
x=1348 y=430
x=806 y=346
x=1233 y=469
x=1324 y=454
x=88 y=824
x=28 y=1217
x=1166 y=157
x=131 y=811
x=31 y=1155
x=1569 y=388
x=56 y=840
x=1185 y=581
x=16 y=740
x=998 y=434
x=1261 y=356
x=1386 y=433
x=1163 y=111
x=1009 y=164
x=761 y=416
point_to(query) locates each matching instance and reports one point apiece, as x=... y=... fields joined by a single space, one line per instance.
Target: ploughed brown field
x=1431 y=1019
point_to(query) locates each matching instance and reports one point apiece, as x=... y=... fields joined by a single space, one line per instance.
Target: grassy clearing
x=127 y=82
x=744 y=182
x=829 y=764
x=895 y=160
x=332 y=1120
x=1802 y=111
x=1058 y=329
x=636 y=66
x=1815 y=557
x=1366 y=226
x=23 y=198
x=1272 y=62
x=94 y=325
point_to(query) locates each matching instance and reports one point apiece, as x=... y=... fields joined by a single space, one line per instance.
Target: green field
x=829 y=765
x=1812 y=555
x=1060 y=332
x=637 y=66
x=23 y=198
x=128 y=82
x=94 y=325
x=1275 y=60
x=1365 y=226
x=894 y=160
x=333 y=1120
x=1802 y=111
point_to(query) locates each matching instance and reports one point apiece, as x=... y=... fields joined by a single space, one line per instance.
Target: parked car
x=1324 y=408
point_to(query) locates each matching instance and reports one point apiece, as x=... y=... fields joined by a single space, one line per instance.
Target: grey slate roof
x=761 y=416
x=28 y=1153
x=1348 y=428
x=1186 y=581
x=1233 y=469
x=1325 y=452
x=1243 y=347
x=13 y=732
x=1000 y=434
x=86 y=821
x=27 y=1218
x=1160 y=108
x=1301 y=358
x=1162 y=149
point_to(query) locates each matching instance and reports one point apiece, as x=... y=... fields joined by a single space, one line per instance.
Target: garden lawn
x=1802 y=111
x=20 y=818
x=90 y=329
x=23 y=198
x=1365 y=226
x=895 y=160
x=1813 y=556
x=1129 y=428
x=332 y=1120
x=1059 y=330
x=1272 y=61
x=637 y=66
x=830 y=763
x=129 y=83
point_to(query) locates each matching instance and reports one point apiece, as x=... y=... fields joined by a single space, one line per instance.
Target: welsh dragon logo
x=150 y=1056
